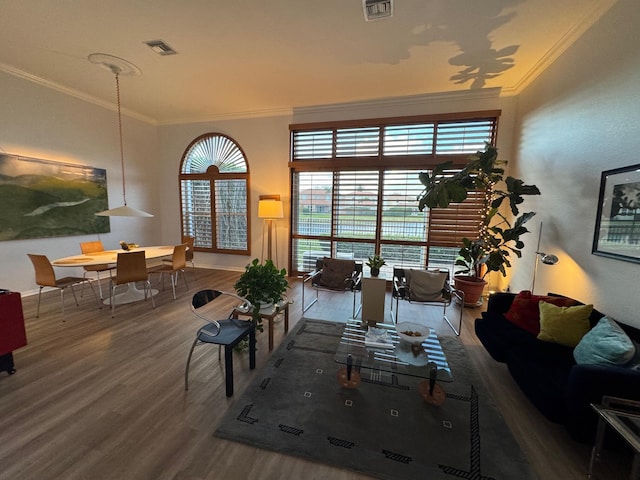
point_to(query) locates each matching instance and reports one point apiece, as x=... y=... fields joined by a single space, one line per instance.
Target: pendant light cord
x=124 y=188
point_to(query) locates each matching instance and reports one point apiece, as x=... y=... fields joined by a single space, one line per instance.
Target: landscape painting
x=41 y=198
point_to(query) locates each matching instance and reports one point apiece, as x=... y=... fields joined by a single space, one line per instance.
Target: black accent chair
x=334 y=274
x=228 y=333
x=439 y=293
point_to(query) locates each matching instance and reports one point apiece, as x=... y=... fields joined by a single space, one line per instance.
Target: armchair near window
x=429 y=287
x=333 y=274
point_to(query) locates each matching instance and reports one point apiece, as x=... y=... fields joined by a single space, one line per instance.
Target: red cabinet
x=12 y=332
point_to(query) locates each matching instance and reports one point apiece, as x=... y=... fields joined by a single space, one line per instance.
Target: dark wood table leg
x=228 y=369
x=252 y=350
x=270 y=327
x=286 y=318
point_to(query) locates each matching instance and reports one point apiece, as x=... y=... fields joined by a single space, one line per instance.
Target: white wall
x=42 y=123
x=577 y=119
x=265 y=143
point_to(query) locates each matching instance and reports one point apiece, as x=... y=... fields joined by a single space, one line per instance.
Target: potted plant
x=374 y=263
x=499 y=236
x=263 y=285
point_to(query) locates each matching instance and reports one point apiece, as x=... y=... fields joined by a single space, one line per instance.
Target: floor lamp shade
x=270 y=208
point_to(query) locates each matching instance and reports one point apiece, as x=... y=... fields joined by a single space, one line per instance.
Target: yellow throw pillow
x=564 y=325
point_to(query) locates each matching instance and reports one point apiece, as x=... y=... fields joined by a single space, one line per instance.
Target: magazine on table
x=378 y=338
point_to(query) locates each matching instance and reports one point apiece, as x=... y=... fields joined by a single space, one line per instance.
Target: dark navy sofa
x=548 y=374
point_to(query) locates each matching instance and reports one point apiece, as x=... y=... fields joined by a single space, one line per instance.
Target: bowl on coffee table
x=412 y=333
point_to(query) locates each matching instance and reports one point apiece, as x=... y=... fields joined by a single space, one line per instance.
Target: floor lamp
x=269 y=209
x=546 y=258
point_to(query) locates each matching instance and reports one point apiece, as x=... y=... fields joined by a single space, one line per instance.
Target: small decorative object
x=374 y=263
x=412 y=333
x=617 y=232
x=128 y=246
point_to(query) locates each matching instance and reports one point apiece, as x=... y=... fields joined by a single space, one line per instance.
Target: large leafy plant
x=262 y=283
x=499 y=236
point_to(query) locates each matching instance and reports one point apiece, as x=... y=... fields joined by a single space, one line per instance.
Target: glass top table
x=623 y=416
x=426 y=360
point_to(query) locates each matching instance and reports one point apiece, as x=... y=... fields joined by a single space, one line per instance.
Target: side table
x=624 y=417
x=269 y=314
x=373 y=294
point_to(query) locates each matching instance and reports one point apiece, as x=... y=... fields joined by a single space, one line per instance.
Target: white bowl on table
x=412 y=333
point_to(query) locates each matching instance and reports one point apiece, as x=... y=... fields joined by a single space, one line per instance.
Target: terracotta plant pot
x=472 y=288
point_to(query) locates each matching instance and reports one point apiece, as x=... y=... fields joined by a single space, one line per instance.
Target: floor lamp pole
x=272 y=240
x=270 y=208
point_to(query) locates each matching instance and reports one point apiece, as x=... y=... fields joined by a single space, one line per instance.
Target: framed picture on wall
x=41 y=198
x=617 y=232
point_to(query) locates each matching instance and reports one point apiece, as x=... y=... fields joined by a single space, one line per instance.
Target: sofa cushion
x=563 y=325
x=425 y=286
x=634 y=363
x=541 y=370
x=525 y=313
x=605 y=344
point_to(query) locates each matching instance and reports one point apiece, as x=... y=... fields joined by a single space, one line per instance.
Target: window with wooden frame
x=214 y=195
x=354 y=189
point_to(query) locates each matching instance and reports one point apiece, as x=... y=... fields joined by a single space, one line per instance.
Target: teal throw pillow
x=634 y=363
x=605 y=344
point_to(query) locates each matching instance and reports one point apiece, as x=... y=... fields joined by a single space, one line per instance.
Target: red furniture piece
x=12 y=332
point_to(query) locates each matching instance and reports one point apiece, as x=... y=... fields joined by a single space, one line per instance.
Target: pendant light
x=119 y=66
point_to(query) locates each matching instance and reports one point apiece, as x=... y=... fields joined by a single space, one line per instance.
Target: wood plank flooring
x=96 y=397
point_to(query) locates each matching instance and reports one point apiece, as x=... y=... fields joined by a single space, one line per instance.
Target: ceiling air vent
x=377 y=9
x=160 y=47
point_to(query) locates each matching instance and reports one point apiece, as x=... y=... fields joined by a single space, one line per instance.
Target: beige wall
x=42 y=123
x=580 y=117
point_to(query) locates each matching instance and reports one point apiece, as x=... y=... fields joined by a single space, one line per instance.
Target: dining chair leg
x=38 y=307
x=186 y=371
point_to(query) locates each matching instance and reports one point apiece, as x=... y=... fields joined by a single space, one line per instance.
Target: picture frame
x=617 y=229
x=43 y=198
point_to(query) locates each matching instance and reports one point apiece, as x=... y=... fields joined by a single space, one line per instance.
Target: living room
x=576 y=117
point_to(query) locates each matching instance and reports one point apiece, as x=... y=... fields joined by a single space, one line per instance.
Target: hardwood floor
x=96 y=397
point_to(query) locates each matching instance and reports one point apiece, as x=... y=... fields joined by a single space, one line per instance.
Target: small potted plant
x=263 y=285
x=374 y=263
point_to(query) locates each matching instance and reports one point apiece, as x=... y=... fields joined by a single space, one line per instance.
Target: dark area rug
x=383 y=428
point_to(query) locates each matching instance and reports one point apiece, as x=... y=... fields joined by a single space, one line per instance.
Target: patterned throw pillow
x=564 y=325
x=525 y=313
x=605 y=344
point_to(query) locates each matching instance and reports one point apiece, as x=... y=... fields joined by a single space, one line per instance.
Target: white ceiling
x=254 y=57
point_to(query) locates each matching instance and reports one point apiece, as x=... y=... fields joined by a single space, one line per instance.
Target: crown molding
x=567 y=40
x=406 y=101
x=274 y=112
x=73 y=93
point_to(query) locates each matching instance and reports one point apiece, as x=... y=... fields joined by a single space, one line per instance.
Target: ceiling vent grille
x=377 y=9
x=160 y=47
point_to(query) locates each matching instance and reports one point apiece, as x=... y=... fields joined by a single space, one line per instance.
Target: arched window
x=214 y=194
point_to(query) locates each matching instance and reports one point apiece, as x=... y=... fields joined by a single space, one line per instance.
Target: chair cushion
x=564 y=325
x=524 y=311
x=425 y=286
x=605 y=344
x=336 y=273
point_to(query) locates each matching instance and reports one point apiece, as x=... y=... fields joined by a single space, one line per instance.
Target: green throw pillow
x=564 y=325
x=605 y=344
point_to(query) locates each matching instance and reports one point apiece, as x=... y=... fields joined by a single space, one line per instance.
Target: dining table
x=110 y=257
